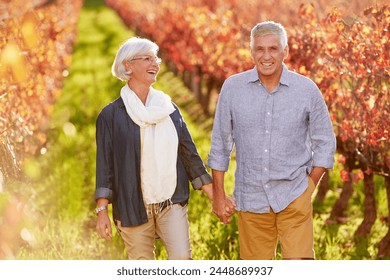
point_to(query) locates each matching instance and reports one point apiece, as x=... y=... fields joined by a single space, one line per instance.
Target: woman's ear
x=127 y=66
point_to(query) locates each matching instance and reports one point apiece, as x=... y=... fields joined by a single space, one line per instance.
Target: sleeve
x=193 y=164
x=104 y=159
x=222 y=134
x=323 y=141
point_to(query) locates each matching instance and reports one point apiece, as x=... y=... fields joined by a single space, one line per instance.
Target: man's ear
x=286 y=52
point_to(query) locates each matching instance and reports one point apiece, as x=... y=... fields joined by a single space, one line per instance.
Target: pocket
x=118 y=225
x=311 y=186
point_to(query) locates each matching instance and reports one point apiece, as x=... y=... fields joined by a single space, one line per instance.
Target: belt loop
x=149 y=209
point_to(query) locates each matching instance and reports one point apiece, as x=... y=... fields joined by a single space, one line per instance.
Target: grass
x=60 y=223
x=337 y=242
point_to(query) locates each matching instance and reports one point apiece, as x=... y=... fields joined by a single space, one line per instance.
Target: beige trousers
x=171 y=225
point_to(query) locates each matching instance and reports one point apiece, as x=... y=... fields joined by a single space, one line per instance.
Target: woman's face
x=144 y=68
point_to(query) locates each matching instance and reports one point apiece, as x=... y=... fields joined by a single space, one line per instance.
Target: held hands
x=223 y=208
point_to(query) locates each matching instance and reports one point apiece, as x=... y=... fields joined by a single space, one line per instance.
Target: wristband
x=101 y=208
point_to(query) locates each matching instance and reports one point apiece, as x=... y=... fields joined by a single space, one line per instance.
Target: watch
x=101 y=208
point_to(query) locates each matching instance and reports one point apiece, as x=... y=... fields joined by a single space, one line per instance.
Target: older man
x=280 y=126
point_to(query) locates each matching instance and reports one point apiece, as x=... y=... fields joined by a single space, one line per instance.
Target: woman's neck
x=140 y=90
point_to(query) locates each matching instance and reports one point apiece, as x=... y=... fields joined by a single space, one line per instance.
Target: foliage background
x=47 y=213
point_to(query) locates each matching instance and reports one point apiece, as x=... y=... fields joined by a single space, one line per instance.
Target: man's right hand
x=224 y=208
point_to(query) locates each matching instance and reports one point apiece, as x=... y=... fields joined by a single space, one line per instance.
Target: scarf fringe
x=157 y=208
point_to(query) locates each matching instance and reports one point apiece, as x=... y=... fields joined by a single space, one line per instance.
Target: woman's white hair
x=267 y=28
x=132 y=47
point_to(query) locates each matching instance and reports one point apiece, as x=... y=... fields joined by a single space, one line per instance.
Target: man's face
x=268 y=55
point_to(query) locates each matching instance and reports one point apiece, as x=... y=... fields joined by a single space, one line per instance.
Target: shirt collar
x=284 y=80
x=253 y=77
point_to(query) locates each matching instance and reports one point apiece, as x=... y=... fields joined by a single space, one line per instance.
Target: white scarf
x=160 y=143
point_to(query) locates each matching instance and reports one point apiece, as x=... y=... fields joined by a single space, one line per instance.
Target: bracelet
x=101 y=208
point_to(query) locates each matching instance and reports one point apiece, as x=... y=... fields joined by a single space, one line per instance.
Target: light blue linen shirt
x=278 y=138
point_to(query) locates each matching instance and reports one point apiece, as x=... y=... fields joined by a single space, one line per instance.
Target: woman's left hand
x=103 y=225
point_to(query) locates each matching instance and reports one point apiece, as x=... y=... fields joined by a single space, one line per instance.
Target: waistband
x=157 y=208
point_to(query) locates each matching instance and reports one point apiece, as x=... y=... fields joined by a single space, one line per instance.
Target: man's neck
x=270 y=82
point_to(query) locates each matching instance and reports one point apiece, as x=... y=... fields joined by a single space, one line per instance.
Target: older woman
x=145 y=157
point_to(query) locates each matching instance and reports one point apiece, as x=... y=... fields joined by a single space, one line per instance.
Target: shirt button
x=265 y=169
x=266 y=150
x=268 y=113
x=267 y=186
x=266 y=131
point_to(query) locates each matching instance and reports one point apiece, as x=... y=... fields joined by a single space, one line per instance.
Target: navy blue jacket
x=118 y=163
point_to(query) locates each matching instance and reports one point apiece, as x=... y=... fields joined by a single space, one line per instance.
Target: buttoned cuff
x=220 y=165
x=324 y=161
x=103 y=193
x=202 y=180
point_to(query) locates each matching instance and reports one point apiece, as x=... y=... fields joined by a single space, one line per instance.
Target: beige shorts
x=171 y=225
x=293 y=227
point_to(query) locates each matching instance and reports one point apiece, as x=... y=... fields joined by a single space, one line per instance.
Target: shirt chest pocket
x=292 y=121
